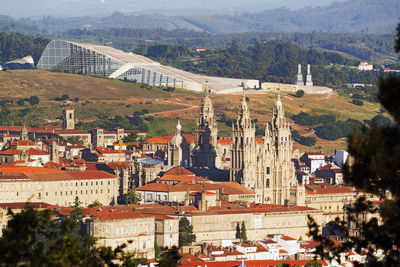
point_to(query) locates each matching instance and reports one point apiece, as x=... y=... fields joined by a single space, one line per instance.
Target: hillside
x=101 y=100
x=347 y=16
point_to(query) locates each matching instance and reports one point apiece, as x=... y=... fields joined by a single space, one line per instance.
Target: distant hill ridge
x=370 y=16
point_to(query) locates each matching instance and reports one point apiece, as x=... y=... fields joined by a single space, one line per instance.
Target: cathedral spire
x=244 y=119
x=178 y=127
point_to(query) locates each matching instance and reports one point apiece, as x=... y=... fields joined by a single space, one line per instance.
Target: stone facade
x=112 y=230
x=56 y=187
x=204 y=153
x=166 y=231
x=222 y=223
x=178 y=149
x=265 y=166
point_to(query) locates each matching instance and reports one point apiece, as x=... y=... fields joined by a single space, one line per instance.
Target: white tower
x=299 y=77
x=308 y=78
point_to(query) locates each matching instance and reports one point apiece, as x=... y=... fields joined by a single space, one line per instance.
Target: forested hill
x=274 y=61
x=17 y=45
x=371 y=16
x=377 y=48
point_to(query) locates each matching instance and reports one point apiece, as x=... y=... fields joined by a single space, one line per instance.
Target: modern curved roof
x=94 y=59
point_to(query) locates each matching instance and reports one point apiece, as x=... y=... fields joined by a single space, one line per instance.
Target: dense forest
x=274 y=61
x=372 y=47
x=17 y=45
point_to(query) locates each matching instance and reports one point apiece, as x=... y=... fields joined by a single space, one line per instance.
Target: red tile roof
x=52 y=165
x=23 y=143
x=179 y=171
x=327 y=189
x=165 y=139
x=287 y=238
x=248 y=263
x=225 y=141
x=229 y=188
x=34 y=151
x=42 y=174
x=127 y=215
x=104 y=150
x=186 y=179
x=11 y=151
x=24 y=169
x=22 y=205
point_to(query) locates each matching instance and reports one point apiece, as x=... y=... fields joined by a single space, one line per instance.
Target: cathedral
x=263 y=165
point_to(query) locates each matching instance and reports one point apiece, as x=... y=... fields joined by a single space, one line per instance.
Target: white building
x=365 y=66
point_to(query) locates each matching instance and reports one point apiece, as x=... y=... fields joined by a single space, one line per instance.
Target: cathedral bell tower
x=243 y=148
x=206 y=134
x=178 y=149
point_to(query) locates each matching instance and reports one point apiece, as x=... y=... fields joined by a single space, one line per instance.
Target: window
x=268 y=170
x=267 y=183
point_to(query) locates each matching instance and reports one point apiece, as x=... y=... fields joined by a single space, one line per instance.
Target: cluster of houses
x=38 y=165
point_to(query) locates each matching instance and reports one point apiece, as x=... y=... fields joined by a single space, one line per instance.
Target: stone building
x=68 y=122
x=112 y=229
x=219 y=224
x=166 y=231
x=331 y=200
x=178 y=149
x=204 y=153
x=265 y=166
x=56 y=187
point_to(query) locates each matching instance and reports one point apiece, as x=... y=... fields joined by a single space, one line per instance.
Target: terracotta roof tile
x=179 y=171
x=11 y=151
x=23 y=143
x=165 y=139
x=35 y=151
x=225 y=141
x=327 y=189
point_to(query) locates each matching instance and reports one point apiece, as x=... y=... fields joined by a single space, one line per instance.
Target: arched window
x=268 y=170
x=267 y=183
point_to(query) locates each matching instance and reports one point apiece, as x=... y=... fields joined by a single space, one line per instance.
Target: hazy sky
x=68 y=8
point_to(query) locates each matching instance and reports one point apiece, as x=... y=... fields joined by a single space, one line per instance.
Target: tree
x=77 y=213
x=21 y=102
x=64 y=97
x=33 y=100
x=34 y=238
x=170 y=258
x=130 y=138
x=299 y=93
x=375 y=152
x=156 y=250
x=357 y=102
x=131 y=197
x=313 y=263
x=243 y=234
x=95 y=203
x=186 y=236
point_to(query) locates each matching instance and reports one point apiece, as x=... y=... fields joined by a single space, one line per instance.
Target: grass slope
x=100 y=99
